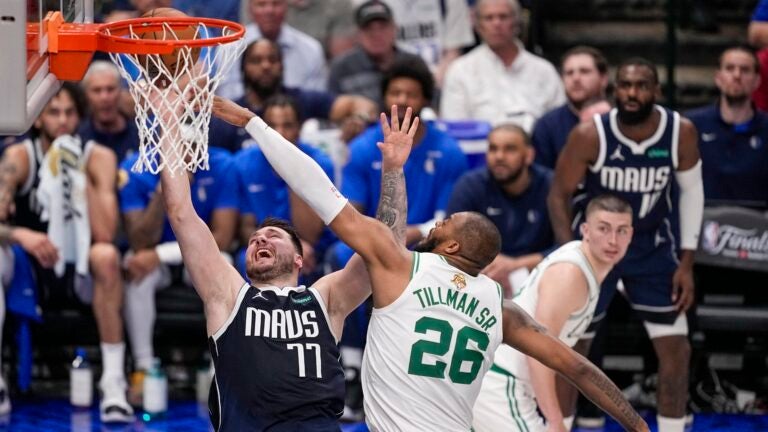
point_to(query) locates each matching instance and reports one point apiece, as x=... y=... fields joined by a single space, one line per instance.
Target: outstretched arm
x=524 y=334
x=368 y=237
x=215 y=281
x=350 y=286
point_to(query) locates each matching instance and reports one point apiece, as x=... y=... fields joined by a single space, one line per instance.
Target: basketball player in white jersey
x=436 y=321
x=561 y=294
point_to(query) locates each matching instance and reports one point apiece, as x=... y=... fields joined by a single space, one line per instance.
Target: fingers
x=395 y=119
x=414 y=127
x=384 y=124
x=406 y=119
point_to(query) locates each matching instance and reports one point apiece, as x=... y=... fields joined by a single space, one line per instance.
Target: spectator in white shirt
x=303 y=56
x=499 y=81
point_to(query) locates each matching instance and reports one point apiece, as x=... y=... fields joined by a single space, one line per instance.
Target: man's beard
x=279 y=268
x=426 y=245
x=511 y=178
x=263 y=91
x=736 y=101
x=634 y=117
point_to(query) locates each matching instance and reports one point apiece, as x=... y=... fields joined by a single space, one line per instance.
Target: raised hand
x=231 y=112
x=398 y=138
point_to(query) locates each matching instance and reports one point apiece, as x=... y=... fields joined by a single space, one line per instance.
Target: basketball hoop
x=173 y=66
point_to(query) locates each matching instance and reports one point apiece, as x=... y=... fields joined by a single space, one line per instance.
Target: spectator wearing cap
x=359 y=71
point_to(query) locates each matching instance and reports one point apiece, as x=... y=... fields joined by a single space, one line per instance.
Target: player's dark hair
x=743 y=48
x=282 y=101
x=610 y=203
x=250 y=46
x=413 y=68
x=600 y=62
x=285 y=226
x=480 y=239
x=78 y=99
x=642 y=62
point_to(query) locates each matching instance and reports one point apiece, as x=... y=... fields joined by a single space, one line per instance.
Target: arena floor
x=57 y=415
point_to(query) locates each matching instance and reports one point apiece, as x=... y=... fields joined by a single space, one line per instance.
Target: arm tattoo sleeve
x=625 y=414
x=8 y=171
x=393 y=204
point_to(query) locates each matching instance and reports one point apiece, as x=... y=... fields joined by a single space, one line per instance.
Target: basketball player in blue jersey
x=25 y=170
x=436 y=320
x=273 y=343
x=635 y=152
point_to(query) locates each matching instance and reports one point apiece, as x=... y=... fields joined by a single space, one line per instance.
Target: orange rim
x=112 y=35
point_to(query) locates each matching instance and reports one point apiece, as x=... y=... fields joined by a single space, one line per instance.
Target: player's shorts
x=506 y=403
x=646 y=275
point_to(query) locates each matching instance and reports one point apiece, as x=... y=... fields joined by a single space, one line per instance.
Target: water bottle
x=81 y=381
x=155 y=391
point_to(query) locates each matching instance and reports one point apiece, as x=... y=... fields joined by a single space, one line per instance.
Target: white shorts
x=506 y=403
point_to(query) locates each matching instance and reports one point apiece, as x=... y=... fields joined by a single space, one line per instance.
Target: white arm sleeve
x=691 y=206
x=169 y=253
x=302 y=174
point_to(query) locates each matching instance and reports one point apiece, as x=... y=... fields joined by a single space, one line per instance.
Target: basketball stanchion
x=172 y=63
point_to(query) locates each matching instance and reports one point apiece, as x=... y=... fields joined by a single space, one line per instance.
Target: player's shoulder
x=17 y=151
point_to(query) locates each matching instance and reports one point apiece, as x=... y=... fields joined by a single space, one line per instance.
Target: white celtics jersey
x=514 y=361
x=427 y=352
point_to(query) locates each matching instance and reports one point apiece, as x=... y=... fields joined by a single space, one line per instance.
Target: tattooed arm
x=14 y=168
x=526 y=335
x=350 y=286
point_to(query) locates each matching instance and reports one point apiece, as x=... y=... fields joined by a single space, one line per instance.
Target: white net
x=155 y=82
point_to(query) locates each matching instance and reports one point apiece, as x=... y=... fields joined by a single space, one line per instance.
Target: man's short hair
x=285 y=226
x=250 y=46
x=282 y=100
x=640 y=61
x=743 y=48
x=610 y=203
x=97 y=67
x=597 y=56
x=512 y=127
x=413 y=68
x=480 y=239
x=78 y=99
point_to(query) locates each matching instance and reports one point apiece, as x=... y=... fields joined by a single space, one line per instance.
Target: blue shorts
x=646 y=272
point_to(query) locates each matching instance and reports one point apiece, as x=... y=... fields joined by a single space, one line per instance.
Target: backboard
x=24 y=70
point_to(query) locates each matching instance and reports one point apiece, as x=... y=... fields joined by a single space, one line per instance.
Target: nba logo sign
x=710 y=237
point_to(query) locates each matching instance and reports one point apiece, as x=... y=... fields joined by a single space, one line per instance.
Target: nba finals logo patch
x=459 y=281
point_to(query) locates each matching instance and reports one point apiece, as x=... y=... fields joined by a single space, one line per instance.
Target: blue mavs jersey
x=277 y=364
x=212 y=190
x=640 y=173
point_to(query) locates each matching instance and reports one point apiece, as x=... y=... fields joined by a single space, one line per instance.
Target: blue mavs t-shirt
x=432 y=168
x=212 y=190
x=640 y=173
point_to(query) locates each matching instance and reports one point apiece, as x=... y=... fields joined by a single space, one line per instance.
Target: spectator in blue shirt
x=584 y=71
x=263 y=193
x=435 y=163
x=733 y=134
x=512 y=191
x=154 y=247
x=262 y=71
x=105 y=123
